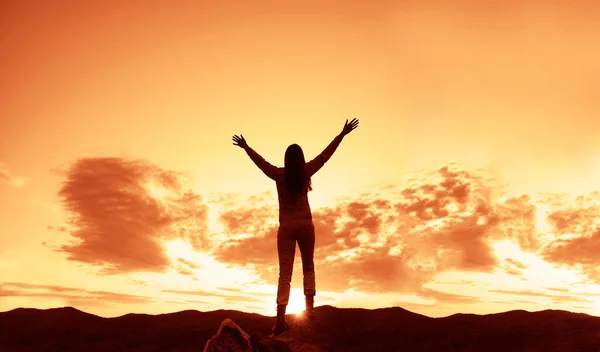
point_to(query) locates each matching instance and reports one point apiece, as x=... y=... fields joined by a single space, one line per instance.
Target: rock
x=269 y=344
x=229 y=338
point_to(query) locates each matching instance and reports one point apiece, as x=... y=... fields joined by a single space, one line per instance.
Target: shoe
x=279 y=329
x=281 y=324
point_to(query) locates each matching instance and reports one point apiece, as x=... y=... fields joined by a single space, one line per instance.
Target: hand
x=348 y=127
x=239 y=141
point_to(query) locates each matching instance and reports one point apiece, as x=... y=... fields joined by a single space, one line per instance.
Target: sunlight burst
x=296 y=304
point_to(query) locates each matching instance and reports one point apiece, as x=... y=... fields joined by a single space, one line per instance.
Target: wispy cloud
x=227 y=297
x=73 y=296
x=514 y=267
x=7 y=177
x=444 y=297
x=555 y=298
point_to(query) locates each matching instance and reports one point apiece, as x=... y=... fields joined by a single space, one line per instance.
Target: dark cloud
x=122 y=211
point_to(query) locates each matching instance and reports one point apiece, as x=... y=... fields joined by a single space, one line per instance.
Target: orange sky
x=468 y=187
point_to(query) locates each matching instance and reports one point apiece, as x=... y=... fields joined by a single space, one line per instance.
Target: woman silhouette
x=295 y=219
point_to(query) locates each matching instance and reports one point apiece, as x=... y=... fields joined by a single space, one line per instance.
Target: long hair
x=294 y=170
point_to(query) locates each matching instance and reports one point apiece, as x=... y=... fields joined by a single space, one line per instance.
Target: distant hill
x=339 y=329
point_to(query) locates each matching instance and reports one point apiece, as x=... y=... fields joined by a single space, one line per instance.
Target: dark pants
x=287 y=236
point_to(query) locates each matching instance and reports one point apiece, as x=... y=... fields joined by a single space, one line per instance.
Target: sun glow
x=595 y=309
x=179 y=249
x=296 y=304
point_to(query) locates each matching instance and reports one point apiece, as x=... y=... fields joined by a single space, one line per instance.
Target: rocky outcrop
x=231 y=338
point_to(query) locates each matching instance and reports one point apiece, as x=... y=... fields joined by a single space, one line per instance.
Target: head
x=294 y=169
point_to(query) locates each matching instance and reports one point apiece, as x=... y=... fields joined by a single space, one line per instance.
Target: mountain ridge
x=338 y=329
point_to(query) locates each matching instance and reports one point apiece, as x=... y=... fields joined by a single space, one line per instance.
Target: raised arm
x=270 y=170
x=317 y=163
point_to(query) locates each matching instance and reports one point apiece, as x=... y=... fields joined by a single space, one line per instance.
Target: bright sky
x=469 y=185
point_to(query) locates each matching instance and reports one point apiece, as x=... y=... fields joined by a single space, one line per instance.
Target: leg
x=306 y=242
x=286 y=249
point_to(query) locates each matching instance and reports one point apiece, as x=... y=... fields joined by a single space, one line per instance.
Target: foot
x=309 y=313
x=280 y=328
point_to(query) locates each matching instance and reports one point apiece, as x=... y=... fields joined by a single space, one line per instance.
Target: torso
x=293 y=208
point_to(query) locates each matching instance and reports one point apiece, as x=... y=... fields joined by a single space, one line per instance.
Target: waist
x=295 y=222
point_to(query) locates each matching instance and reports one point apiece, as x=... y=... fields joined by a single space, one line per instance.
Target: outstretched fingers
x=349 y=127
x=239 y=140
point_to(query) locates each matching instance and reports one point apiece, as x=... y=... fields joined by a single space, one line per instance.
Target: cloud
x=256 y=250
x=576 y=241
x=514 y=267
x=245 y=291
x=185 y=267
x=322 y=298
x=442 y=221
x=72 y=296
x=253 y=307
x=523 y=302
x=444 y=297
x=10 y=179
x=555 y=298
x=515 y=263
x=519 y=220
x=566 y=290
x=396 y=241
x=123 y=211
x=226 y=297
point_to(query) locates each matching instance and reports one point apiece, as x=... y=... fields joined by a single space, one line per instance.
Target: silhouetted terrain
x=337 y=329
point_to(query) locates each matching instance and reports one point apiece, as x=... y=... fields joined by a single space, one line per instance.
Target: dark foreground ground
x=389 y=329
